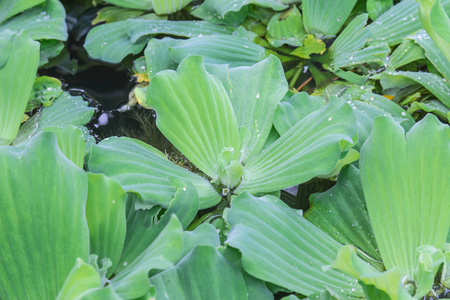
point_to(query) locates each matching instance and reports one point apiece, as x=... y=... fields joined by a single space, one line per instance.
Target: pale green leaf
x=230 y=19
x=157 y=56
x=16 y=80
x=437 y=85
x=372 y=54
x=132 y=282
x=429 y=261
x=288 y=113
x=164 y=7
x=230 y=50
x=368 y=107
x=396 y=23
x=43 y=227
x=435 y=56
x=13 y=7
x=286 y=28
x=377 y=7
x=66 y=109
x=105 y=214
x=71 y=142
x=139 y=28
x=310 y=148
x=144 y=226
x=201 y=275
x=41 y=22
x=405 y=184
x=352 y=38
x=433 y=106
x=254 y=103
x=110 y=42
x=100 y=293
x=222 y=7
x=389 y=281
x=204 y=235
x=195 y=114
x=146 y=171
x=408 y=51
x=324 y=18
x=82 y=278
x=341 y=213
x=279 y=246
x=440 y=21
x=256 y=289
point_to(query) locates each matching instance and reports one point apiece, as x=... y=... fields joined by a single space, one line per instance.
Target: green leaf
x=101 y=293
x=288 y=113
x=389 y=281
x=341 y=213
x=231 y=50
x=430 y=259
x=254 y=104
x=204 y=235
x=352 y=38
x=42 y=219
x=110 y=42
x=45 y=90
x=311 y=45
x=414 y=188
x=164 y=7
x=16 y=80
x=368 y=107
x=408 y=51
x=157 y=56
x=440 y=21
x=310 y=148
x=105 y=214
x=377 y=7
x=428 y=10
x=41 y=22
x=66 y=109
x=433 y=106
x=200 y=275
x=82 y=278
x=324 y=18
x=138 y=28
x=434 y=55
x=135 y=4
x=230 y=19
x=256 y=289
x=50 y=49
x=146 y=171
x=13 y=7
x=222 y=7
x=195 y=114
x=437 y=85
x=279 y=246
x=373 y=54
x=286 y=28
x=71 y=142
x=132 y=282
x=143 y=226
x=395 y=24
x=110 y=14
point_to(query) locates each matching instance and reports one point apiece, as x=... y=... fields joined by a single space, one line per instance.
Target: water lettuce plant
x=120 y=219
